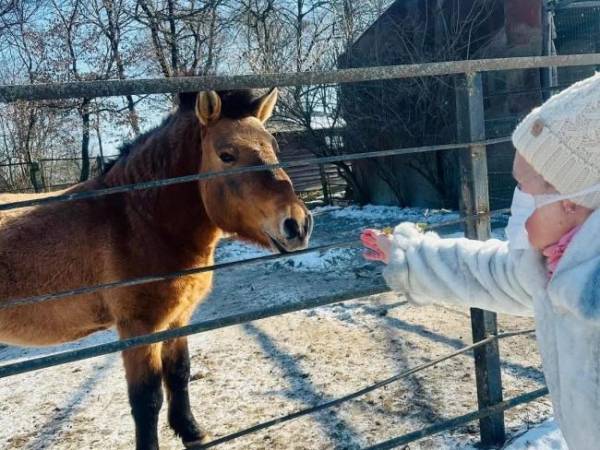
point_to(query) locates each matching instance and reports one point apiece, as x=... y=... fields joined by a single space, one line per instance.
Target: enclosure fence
x=476 y=219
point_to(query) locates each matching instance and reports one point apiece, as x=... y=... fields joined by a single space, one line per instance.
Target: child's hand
x=378 y=245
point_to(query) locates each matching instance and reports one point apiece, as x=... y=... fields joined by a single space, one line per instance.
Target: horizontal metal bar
x=15 y=164
x=61 y=358
x=461 y=420
x=578 y=5
x=356 y=394
x=89 y=352
x=91 y=158
x=209 y=175
x=194 y=328
x=106 y=88
x=13 y=302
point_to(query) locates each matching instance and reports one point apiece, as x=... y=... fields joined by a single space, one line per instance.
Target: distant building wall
x=577 y=31
x=301 y=144
x=406 y=113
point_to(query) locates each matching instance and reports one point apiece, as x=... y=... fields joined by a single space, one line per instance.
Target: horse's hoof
x=204 y=439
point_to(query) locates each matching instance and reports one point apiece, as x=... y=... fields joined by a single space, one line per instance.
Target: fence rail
x=241 y=170
x=22 y=301
x=462 y=420
x=108 y=88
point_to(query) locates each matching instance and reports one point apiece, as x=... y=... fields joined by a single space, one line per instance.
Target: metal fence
x=45 y=174
x=322 y=183
x=476 y=218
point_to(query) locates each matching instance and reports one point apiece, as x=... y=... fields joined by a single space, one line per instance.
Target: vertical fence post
x=475 y=199
x=36 y=179
x=325 y=184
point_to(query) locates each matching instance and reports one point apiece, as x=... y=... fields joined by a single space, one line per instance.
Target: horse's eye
x=227 y=157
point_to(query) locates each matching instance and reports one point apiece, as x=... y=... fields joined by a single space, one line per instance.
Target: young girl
x=550 y=266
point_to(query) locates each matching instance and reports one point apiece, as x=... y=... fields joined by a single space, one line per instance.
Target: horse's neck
x=176 y=213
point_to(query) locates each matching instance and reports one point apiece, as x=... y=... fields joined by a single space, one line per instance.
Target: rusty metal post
x=475 y=199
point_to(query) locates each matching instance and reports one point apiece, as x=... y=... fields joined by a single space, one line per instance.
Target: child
x=550 y=266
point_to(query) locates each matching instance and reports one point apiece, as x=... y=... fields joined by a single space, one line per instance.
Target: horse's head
x=261 y=207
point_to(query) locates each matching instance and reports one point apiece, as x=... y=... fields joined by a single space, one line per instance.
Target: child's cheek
x=546 y=226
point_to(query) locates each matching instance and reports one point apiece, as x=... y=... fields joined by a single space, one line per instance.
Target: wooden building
x=296 y=143
x=416 y=112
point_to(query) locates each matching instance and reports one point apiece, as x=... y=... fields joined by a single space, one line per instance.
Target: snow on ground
x=246 y=374
x=545 y=436
x=339 y=224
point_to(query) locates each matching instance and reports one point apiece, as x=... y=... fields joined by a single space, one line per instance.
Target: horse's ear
x=265 y=105
x=208 y=107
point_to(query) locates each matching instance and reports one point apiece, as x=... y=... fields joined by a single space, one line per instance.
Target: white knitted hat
x=561 y=140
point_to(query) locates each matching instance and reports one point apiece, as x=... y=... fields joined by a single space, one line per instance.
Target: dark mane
x=236 y=104
x=126 y=148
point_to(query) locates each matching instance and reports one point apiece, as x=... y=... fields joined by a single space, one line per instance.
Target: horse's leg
x=176 y=375
x=143 y=369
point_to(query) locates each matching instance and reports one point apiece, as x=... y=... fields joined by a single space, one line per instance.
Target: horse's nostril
x=291 y=228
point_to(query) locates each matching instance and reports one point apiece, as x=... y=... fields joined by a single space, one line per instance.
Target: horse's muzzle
x=294 y=235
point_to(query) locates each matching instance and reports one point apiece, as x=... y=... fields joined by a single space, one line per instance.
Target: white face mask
x=522 y=207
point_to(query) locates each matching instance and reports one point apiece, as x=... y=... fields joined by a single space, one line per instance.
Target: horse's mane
x=236 y=104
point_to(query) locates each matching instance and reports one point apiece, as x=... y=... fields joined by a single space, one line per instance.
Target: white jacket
x=487 y=275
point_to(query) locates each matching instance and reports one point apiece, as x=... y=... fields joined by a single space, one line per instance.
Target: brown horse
x=61 y=246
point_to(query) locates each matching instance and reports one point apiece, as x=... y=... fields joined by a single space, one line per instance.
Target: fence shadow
x=420 y=397
x=302 y=390
x=518 y=370
x=48 y=433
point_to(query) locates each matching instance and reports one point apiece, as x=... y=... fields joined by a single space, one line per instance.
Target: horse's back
x=52 y=248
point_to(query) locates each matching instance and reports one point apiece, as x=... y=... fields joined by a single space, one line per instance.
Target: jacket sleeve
x=428 y=269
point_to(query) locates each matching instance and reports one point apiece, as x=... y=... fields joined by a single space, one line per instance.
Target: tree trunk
x=114 y=36
x=154 y=32
x=211 y=40
x=100 y=146
x=85 y=140
x=173 y=38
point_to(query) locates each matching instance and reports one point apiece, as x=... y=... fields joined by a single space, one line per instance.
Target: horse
x=64 y=245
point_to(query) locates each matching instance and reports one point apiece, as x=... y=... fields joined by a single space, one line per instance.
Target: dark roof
x=392 y=10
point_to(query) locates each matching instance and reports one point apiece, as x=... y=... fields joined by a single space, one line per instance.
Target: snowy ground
x=246 y=374
x=545 y=436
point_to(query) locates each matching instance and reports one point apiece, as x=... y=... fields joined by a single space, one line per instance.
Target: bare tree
x=303 y=35
x=185 y=36
x=11 y=12
x=71 y=34
x=24 y=125
x=112 y=18
x=419 y=111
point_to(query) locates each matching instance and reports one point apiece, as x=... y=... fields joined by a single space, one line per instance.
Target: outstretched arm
x=429 y=269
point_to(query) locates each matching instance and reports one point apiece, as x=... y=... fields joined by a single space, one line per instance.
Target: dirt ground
x=246 y=374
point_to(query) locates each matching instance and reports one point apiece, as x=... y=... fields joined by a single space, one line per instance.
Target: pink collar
x=555 y=252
